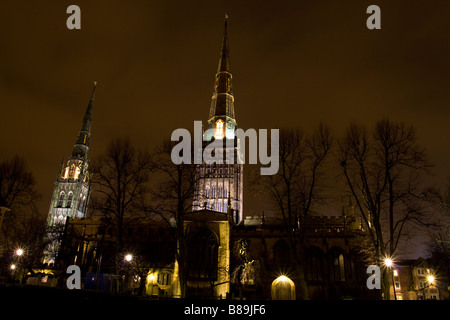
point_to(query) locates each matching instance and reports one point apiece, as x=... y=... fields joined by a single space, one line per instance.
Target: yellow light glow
x=66 y=173
x=77 y=173
x=430 y=279
x=219 y=130
x=283 y=278
x=128 y=257
x=13 y=266
x=19 y=252
x=388 y=262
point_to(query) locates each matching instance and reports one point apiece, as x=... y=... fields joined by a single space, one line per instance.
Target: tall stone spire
x=220 y=185
x=72 y=187
x=224 y=62
x=221 y=112
x=81 y=147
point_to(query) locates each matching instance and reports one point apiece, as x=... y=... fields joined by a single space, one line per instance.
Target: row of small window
x=62 y=196
x=163 y=278
x=221 y=206
x=221 y=171
x=421 y=271
x=431 y=296
x=222 y=192
x=399 y=296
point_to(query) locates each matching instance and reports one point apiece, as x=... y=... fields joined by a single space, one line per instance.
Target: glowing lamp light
x=388 y=262
x=430 y=279
x=128 y=257
x=283 y=278
x=13 y=266
x=19 y=252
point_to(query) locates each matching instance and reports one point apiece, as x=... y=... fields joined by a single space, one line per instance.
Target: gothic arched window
x=219 y=130
x=72 y=171
x=314 y=265
x=220 y=191
x=202 y=253
x=61 y=199
x=337 y=266
x=69 y=200
x=80 y=203
x=213 y=192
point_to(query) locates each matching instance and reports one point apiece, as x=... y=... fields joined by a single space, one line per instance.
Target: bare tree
x=438 y=229
x=120 y=187
x=21 y=225
x=173 y=198
x=295 y=189
x=382 y=171
x=17 y=184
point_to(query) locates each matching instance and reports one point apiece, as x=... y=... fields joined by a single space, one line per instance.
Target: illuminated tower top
x=81 y=147
x=221 y=113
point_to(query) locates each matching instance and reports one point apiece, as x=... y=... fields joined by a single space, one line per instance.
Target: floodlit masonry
x=220 y=150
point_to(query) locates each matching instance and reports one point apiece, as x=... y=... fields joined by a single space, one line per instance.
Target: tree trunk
x=385 y=284
x=299 y=258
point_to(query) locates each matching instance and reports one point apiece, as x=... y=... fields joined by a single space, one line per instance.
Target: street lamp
x=128 y=257
x=389 y=263
x=19 y=252
x=430 y=280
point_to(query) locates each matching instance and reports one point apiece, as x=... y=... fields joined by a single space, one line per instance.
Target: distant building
x=417 y=279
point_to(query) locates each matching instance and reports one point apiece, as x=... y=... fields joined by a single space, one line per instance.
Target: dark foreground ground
x=53 y=303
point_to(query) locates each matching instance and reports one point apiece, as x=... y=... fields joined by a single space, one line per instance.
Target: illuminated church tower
x=220 y=184
x=72 y=186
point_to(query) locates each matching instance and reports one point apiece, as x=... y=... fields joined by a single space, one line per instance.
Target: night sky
x=294 y=63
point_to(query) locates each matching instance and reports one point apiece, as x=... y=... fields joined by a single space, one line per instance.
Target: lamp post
x=19 y=252
x=388 y=262
x=430 y=280
x=13 y=270
x=128 y=258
